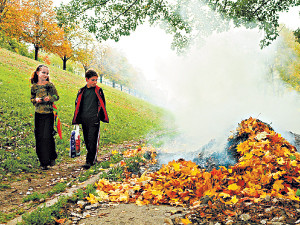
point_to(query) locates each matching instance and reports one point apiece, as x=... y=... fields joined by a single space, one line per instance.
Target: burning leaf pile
x=268 y=166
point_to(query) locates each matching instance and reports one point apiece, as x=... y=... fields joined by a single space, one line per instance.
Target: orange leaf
x=60 y=221
x=186 y=221
x=278 y=185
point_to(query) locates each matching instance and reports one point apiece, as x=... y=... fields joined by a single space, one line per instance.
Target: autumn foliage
x=268 y=165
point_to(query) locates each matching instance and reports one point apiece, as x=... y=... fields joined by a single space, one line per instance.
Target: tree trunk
x=114 y=84
x=65 y=63
x=36 y=52
x=121 y=87
x=101 y=78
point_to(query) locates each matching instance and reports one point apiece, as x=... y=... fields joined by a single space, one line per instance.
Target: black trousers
x=91 y=135
x=45 y=143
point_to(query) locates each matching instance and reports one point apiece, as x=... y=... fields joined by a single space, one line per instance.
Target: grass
x=130 y=118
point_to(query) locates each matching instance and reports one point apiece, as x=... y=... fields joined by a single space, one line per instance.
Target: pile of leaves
x=268 y=166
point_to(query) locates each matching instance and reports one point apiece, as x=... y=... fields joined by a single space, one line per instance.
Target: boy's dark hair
x=91 y=73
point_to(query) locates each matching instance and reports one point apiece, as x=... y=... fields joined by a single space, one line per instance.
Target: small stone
x=81 y=204
x=264 y=221
x=268 y=198
x=93 y=206
x=79 y=210
x=86 y=215
x=268 y=209
x=75 y=215
x=168 y=221
x=68 y=222
x=75 y=218
x=276 y=218
x=41 y=200
x=245 y=217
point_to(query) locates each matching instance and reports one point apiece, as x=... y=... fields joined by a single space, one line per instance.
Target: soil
x=124 y=214
x=43 y=181
x=107 y=213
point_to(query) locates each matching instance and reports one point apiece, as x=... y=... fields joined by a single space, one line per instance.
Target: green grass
x=130 y=118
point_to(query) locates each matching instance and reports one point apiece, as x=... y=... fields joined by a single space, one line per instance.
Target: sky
x=214 y=87
x=140 y=51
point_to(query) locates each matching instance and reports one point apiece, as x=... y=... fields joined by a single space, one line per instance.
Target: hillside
x=130 y=117
x=131 y=120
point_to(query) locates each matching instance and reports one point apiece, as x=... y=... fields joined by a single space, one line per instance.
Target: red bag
x=57 y=122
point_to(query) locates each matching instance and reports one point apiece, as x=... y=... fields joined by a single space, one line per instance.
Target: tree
x=85 y=51
x=100 y=57
x=255 y=13
x=117 y=68
x=297 y=35
x=64 y=51
x=110 y=19
x=287 y=62
x=3 y=5
x=40 y=27
x=12 y=15
x=86 y=57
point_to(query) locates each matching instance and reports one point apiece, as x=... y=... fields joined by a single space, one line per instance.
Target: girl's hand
x=47 y=99
x=38 y=100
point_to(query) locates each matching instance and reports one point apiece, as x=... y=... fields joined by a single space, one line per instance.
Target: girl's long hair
x=34 y=77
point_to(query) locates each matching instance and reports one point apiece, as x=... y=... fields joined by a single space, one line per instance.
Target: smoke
x=214 y=87
x=223 y=79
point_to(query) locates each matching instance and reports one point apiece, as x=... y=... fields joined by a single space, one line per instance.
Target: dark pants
x=45 y=144
x=91 y=135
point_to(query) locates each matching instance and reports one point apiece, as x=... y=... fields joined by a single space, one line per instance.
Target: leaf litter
x=262 y=187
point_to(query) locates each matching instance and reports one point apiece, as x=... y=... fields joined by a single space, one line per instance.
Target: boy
x=89 y=111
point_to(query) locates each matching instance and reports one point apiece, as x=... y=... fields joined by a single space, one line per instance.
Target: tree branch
x=87 y=8
x=123 y=12
x=264 y=3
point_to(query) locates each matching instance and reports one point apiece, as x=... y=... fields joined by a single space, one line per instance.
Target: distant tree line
x=35 y=22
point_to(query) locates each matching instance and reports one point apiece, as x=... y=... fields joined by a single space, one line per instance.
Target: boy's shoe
x=52 y=163
x=44 y=167
x=87 y=166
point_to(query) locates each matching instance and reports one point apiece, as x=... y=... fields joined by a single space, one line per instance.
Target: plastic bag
x=75 y=142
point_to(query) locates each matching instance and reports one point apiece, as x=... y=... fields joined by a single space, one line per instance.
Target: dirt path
x=81 y=212
x=13 y=195
x=132 y=214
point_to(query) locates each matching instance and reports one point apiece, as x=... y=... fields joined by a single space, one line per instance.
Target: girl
x=43 y=94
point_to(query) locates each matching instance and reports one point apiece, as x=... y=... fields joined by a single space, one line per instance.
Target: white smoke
x=225 y=81
x=221 y=81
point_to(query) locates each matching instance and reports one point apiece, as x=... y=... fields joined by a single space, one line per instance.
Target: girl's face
x=43 y=74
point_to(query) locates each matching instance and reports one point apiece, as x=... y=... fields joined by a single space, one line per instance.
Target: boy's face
x=91 y=82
